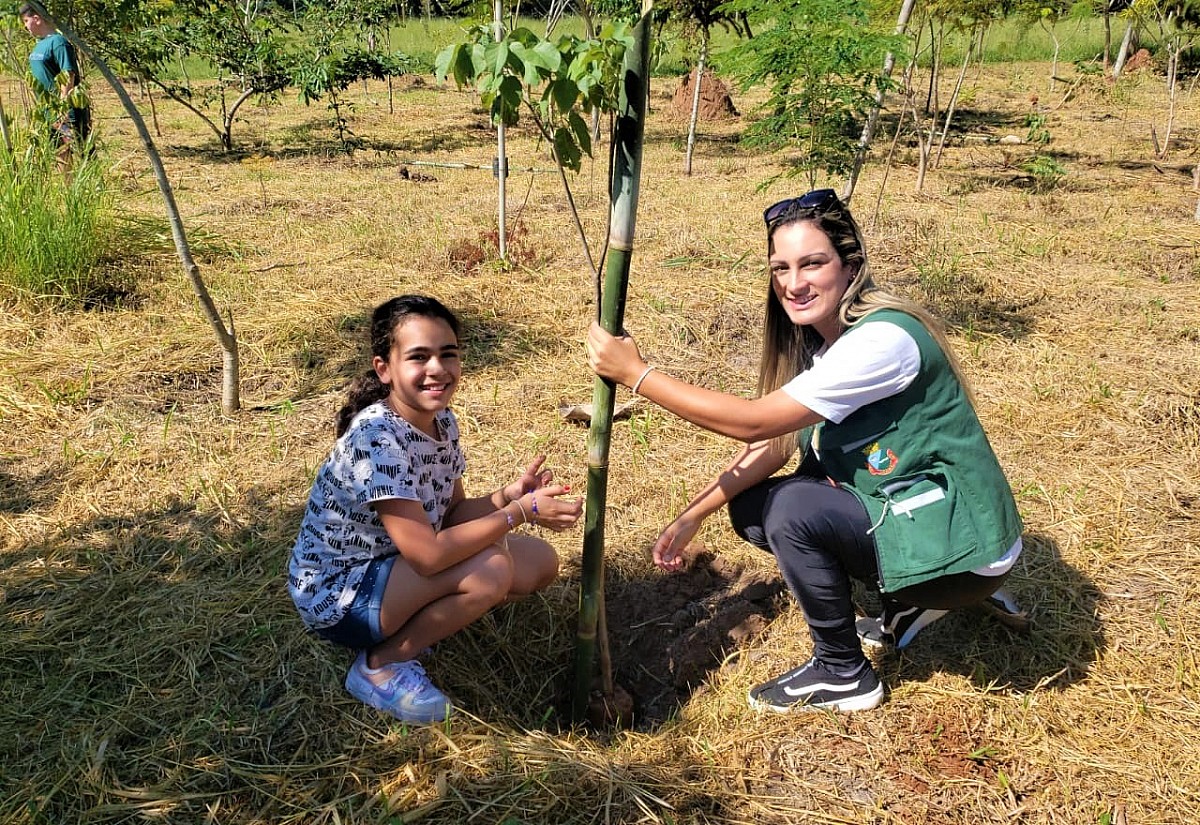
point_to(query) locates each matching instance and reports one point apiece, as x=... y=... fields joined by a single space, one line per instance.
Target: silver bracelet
x=641 y=378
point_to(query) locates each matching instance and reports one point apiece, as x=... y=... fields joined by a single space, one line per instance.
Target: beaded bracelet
x=512 y=525
x=535 y=510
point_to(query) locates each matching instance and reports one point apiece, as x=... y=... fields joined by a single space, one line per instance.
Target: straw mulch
x=152 y=668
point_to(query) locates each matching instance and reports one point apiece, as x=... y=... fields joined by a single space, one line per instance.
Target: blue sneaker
x=407 y=694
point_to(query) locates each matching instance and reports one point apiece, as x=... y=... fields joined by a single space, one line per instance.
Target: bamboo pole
x=501 y=153
x=626 y=172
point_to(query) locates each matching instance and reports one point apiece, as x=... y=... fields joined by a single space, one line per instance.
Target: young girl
x=898 y=486
x=392 y=556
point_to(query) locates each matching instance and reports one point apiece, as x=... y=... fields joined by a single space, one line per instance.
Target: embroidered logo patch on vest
x=880 y=460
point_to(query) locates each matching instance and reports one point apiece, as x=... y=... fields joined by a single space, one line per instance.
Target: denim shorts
x=359 y=628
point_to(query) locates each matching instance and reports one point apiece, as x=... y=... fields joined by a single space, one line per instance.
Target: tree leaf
x=549 y=55
x=583 y=134
x=566 y=150
x=564 y=93
x=496 y=57
x=529 y=66
x=446 y=57
x=478 y=60
x=509 y=96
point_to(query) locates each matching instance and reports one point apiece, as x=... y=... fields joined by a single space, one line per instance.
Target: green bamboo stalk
x=626 y=173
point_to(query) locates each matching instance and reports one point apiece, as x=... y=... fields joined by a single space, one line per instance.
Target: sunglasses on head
x=817 y=199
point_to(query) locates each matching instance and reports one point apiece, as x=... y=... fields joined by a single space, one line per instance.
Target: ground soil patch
x=674 y=630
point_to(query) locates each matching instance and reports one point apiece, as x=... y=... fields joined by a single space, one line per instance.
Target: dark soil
x=673 y=630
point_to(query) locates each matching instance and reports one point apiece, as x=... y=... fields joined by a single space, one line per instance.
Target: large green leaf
x=496 y=57
x=520 y=54
x=443 y=61
x=548 y=53
x=566 y=149
x=508 y=101
x=564 y=93
x=583 y=134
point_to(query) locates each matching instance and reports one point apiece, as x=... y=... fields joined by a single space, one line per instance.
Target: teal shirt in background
x=51 y=56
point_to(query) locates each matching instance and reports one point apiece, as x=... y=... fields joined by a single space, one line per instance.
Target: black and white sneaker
x=813 y=686
x=898 y=625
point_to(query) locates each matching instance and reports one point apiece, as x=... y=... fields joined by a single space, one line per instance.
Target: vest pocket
x=921 y=528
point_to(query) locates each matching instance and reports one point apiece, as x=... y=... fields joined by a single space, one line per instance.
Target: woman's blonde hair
x=788 y=348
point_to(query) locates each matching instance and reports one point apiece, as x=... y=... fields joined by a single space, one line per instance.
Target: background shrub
x=55 y=228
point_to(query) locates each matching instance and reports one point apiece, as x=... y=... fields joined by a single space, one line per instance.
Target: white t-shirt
x=878 y=361
x=380 y=456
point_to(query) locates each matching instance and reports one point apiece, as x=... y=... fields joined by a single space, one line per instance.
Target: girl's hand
x=544 y=508
x=616 y=359
x=668 y=550
x=533 y=478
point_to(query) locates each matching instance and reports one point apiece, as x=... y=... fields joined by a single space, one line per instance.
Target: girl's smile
x=421 y=371
x=808 y=278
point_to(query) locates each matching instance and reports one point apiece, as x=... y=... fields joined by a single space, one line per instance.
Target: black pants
x=818 y=535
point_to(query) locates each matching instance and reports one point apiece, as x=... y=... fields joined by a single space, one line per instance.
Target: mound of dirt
x=1139 y=60
x=667 y=633
x=715 y=102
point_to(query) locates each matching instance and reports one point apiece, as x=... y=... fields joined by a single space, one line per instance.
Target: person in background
x=897 y=485
x=55 y=67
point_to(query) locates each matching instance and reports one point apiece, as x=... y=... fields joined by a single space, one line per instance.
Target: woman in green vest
x=897 y=485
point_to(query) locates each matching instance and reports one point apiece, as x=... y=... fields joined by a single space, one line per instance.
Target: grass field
x=154 y=670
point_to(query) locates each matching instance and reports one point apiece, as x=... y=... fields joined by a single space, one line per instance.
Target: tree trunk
x=924 y=140
x=695 y=116
x=1107 y=38
x=153 y=109
x=1176 y=49
x=1051 y=30
x=187 y=104
x=626 y=173
x=584 y=8
x=958 y=83
x=868 y=132
x=391 y=90
x=1196 y=188
x=1123 y=52
x=230 y=400
x=937 y=40
x=227 y=123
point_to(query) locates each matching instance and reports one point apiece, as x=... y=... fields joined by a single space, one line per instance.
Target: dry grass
x=152 y=667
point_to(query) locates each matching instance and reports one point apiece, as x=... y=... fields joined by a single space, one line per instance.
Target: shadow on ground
x=668 y=634
x=1064 y=640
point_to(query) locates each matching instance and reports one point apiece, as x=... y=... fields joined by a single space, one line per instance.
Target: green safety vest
x=921 y=464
